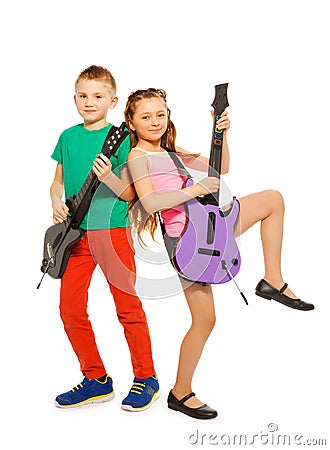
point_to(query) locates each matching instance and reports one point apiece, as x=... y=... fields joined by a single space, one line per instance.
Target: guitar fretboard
x=110 y=146
x=219 y=104
x=216 y=151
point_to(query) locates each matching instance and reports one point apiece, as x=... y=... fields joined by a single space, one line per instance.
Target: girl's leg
x=201 y=305
x=268 y=208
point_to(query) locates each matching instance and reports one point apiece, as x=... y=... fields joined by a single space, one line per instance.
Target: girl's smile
x=150 y=120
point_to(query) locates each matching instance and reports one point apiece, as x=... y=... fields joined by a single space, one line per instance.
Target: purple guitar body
x=207 y=249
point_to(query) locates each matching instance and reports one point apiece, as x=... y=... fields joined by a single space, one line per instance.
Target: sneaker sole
x=143 y=408
x=98 y=399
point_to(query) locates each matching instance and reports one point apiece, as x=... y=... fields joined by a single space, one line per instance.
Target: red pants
x=113 y=251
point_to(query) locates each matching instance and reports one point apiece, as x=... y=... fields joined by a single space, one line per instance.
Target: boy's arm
x=122 y=187
x=60 y=210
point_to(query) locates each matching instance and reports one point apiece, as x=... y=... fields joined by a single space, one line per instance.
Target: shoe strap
x=283 y=288
x=151 y=381
x=192 y=394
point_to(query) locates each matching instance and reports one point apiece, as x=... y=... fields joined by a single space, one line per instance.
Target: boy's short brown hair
x=97 y=73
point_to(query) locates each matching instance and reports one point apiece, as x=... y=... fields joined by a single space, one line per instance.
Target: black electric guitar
x=61 y=237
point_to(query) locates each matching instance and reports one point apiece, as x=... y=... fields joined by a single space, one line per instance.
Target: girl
x=158 y=184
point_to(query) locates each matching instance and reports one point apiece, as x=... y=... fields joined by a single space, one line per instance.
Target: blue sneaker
x=142 y=394
x=88 y=391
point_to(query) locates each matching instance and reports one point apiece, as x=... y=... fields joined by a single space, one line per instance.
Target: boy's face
x=93 y=99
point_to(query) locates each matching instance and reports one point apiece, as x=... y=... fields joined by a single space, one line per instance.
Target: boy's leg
x=113 y=250
x=73 y=309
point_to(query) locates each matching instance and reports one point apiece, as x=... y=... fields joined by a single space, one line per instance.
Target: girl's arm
x=200 y=162
x=60 y=210
x=122 y=186
x=157 y=201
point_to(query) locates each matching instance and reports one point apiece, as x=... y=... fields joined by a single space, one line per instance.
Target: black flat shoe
x=202 y=412
x=266 y=290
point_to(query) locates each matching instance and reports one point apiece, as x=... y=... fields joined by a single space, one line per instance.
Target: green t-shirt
x=76 y=150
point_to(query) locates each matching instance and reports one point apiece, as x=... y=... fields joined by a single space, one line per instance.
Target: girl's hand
x=224 y=122
x=60 y=212
x=207 y=185
x=102 y=167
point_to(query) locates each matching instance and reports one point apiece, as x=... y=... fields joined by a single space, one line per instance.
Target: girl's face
x=150 y=119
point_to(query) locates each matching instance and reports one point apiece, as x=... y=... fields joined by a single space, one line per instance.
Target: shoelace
x=79 y=386
x=137 y=388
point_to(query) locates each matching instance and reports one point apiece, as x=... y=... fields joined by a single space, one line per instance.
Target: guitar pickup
x=210 y=228
x=207 y=251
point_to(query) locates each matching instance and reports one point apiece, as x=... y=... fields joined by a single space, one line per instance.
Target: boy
x=107 y=242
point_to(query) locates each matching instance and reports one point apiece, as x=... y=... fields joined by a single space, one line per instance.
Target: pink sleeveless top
x=165 y=176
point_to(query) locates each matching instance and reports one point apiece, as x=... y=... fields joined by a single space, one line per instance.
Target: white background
x=263 y=363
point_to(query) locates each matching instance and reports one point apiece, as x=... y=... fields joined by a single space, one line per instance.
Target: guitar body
x=207 y=248
x=58 y=241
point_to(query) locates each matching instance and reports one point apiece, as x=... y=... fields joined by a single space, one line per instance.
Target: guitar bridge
x=207 y=251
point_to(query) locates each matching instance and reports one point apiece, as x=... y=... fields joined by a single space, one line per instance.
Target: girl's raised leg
x=268 y=208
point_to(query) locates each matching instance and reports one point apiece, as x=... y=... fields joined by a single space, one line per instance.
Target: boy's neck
x=91 y=126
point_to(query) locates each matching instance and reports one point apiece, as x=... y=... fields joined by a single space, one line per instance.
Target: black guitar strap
x=184 y=172
x=182 y=169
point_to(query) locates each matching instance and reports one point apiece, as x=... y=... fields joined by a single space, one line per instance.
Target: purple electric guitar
x=207 y=251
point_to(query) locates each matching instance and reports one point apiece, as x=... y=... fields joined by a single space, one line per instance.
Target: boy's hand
x=223 y=123
x=60 y=212
x=102 y=167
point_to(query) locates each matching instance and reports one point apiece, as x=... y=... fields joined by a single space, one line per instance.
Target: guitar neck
x=87 y=189
x=219 y=104
x=216 y=151
x=215 y=161
x=79 y=204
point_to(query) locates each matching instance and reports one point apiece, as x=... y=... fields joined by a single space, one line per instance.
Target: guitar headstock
x=113 y=139
x=220 y=101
